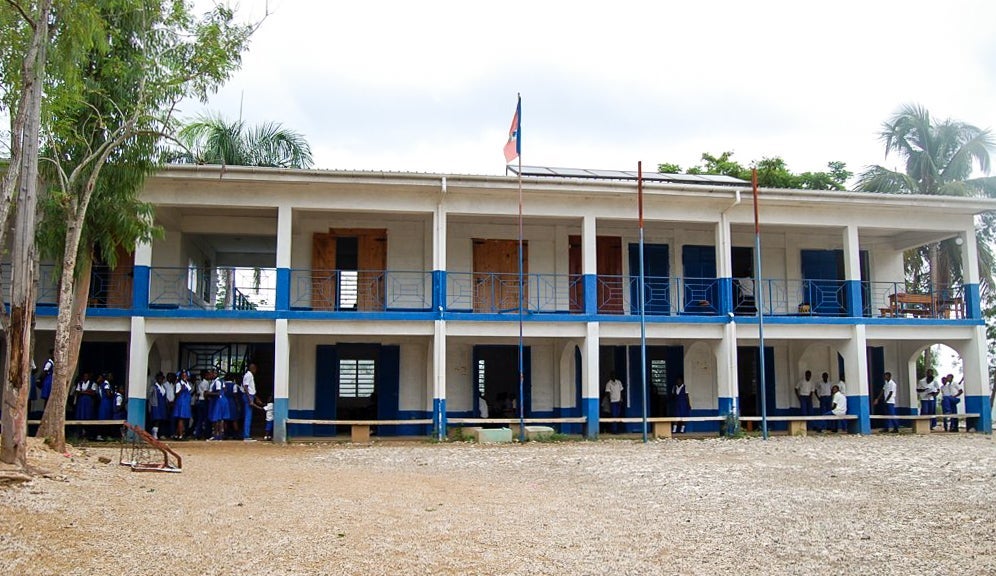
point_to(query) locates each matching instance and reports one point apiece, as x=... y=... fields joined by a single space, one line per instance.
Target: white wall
x=700 y=376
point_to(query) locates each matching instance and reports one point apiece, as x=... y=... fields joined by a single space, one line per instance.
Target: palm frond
x=881 y=179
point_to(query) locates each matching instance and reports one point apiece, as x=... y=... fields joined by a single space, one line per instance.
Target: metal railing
x=360 y=290
x=900 y=300
x=220 y=288
x=498 y=292
x=662 y=295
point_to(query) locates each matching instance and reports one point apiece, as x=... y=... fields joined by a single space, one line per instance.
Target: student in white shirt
x=888 y=397
x=614 y=388
x=804 y=390
x=949 y=403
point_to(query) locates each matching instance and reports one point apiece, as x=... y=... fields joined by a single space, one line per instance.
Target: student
x=614 y=388
x=181 y=404
x=218 y=406
x=106 y=409
x=268 y=411
x=86 y=401
x=48 y=371
x=888 y=397
x=202 y=413
x=950 y=401
x=233 y=404
x=248 y=399
x=838 y=407
x=804 y=390
x=927 y=390
x=681 y=405
x=158 y=404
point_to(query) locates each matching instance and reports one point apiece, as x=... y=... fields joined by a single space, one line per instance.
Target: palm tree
x=940 y=157
x=210 y=139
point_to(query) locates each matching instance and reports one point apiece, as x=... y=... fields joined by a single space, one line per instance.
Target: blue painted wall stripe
x=136 y=412
x=281 y=409
x=980 y=405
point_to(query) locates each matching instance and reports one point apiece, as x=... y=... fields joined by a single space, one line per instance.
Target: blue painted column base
x=589 y=409
x=439 y=418
x=980 y=405
x=136 y=412
x=281 y=410
x=860 y=407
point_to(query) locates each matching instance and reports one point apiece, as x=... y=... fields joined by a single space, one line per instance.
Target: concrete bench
x=921 y=422
x=359 y=430
x=661 y=425
x=798 y=425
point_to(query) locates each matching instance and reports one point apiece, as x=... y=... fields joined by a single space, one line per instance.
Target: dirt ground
x=818 y=505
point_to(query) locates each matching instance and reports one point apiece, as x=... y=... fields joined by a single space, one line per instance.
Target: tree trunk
x=68 y=336
x=23 y=289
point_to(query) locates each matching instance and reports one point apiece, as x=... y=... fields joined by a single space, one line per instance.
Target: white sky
x=430 y=86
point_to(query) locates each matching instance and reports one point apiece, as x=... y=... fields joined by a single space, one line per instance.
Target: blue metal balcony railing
x=108 y=288
x=360 y=291
x=221 y=288
x=900 y=300
x=662 y=295
x=498 y=292
x=791 y=297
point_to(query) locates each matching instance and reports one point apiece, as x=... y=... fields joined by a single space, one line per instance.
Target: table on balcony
x=923 y=306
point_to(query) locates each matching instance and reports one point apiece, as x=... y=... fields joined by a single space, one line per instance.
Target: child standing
x=181 y=405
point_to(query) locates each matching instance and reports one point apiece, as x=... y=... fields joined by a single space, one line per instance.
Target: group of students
x=90 y=399
x=928 y=390
x=832 y=400
x=205 y=406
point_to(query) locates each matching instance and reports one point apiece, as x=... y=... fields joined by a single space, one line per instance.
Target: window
x=356 y=378
x=658 y=376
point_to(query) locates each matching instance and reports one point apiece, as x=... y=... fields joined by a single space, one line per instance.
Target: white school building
x=395 y=296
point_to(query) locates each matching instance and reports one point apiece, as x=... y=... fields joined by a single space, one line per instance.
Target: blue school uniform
x=120 y=407
x=106 y=409
x=682 y=406
x=181 y=406
x=219 y=404
x=233 y=400
x=48 y=370
x=85 y=407
x=159 y=406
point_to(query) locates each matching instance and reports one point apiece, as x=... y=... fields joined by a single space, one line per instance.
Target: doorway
x=496 y=378
x=496 y=275
x=748 y=381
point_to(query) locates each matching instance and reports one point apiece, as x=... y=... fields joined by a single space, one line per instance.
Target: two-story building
x=395 y=296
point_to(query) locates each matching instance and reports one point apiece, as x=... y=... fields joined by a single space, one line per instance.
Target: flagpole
x=522 y=407
x=759 y=303
x=643 y=304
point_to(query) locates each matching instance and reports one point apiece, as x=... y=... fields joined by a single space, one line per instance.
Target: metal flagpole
x=759 y=302
x=643 y=304
x=522 y=407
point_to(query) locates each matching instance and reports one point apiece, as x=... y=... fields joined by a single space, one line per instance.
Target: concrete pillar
x=724 y=267
x=727 y=385
x=855 y=353
x=138 y=371
x=852 y=272
x=590 y=393
x=977 y=386
x=970 y=273
x=439 y=379
x=439 y=258
x=281 y=380
x=285 y=224
x=589 y=264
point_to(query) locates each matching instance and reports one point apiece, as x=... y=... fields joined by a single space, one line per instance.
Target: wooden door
x=323 y=272
x=496 y=275
x=611 y=284
x=608 y=267
x=372 y=268
x=119 y=283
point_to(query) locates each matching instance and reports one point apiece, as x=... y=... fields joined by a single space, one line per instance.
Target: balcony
x=360 y=291
x=242 y=289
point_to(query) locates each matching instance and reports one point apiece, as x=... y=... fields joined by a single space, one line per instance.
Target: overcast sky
x=430 y=86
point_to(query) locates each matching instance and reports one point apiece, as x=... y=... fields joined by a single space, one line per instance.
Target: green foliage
x=939 y=158
x=771 y=172
x=211 y=139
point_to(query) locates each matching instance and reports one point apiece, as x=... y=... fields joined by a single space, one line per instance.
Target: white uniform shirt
x=925 y=390
x=843 y=387
x=824 y=388
x=203 y=385
x=890 y=386
x=804 y=387
x=953 y=388
x=269 y=411
x=249 y=384
x=483 y=405
x=839 y=404
x=614 y=388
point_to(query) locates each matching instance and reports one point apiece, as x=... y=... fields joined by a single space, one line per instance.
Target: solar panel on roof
x=572 y=172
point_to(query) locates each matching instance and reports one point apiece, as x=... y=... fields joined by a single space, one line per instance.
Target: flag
x=514 y=145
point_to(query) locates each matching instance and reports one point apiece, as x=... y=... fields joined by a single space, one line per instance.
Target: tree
x=771 y=172
x=940 y=158
x=26 y=28
x=144 y=58
x=213 y=140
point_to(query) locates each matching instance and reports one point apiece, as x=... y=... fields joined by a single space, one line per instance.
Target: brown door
x=372 y=264
x=120 y=280
x=328 y=280
x=496 y=275
x=323 y=272
x=608 y=267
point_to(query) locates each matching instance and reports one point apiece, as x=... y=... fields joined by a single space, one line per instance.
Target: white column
x=727 y=384
x=281 y=380
x=852 y=253
x=138 y=371
x=143 y=254
x=590 y=392
x=969 y=257
x=439 y=378
x=588 y=246
x=285 y=224
x=858 y=382
x=439 y=238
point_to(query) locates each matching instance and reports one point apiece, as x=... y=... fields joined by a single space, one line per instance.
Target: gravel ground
x=817 y=505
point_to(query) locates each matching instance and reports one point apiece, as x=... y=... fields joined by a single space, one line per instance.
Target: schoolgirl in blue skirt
x=158 y=404
x=181 y=404
x=217 y=406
